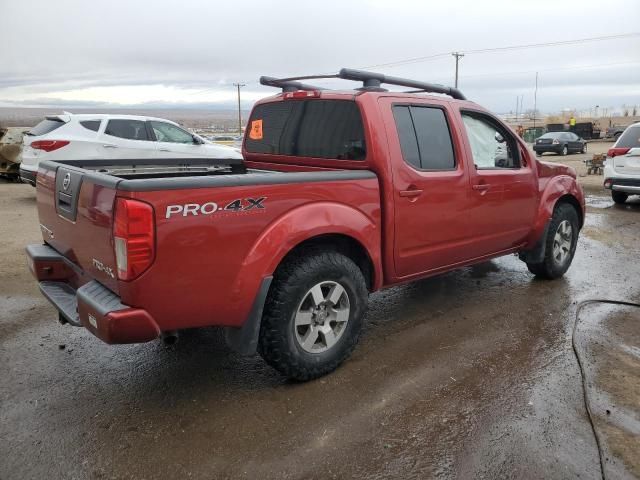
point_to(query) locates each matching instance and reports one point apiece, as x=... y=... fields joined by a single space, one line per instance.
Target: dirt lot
x=591 y=183
x=467 y=375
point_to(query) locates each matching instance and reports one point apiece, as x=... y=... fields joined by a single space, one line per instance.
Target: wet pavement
x=467 y=375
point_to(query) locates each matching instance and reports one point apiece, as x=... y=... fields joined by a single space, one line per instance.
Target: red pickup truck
x=340 y=194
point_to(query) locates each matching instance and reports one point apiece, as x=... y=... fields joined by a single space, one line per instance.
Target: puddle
x=598 y=202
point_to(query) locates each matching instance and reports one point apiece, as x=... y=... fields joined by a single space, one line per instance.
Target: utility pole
x=458 y=55
x=535 y=102
x=238 y=85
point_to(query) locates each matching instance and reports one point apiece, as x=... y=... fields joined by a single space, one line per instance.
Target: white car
x=101 y=136
x=622 y=167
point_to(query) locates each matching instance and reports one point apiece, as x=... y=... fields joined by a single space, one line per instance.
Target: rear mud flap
x=244 y=340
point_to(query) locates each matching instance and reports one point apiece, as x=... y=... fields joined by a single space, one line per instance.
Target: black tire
x=619 y=197
x=550 y=267
x=584 y=148
x=292 y=282
x=538 y=154
x=564 y=151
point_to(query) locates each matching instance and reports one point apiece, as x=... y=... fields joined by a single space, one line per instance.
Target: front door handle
x=483 y=187
x=414 y=192
x=109 y=145
x=164 y=150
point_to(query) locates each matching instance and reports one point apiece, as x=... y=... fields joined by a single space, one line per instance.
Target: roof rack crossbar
x=286 y=84
x=371 y=79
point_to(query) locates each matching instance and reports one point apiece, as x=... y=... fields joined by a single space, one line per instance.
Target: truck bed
x=216 y=227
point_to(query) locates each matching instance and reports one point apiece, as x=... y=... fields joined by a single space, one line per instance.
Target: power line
x=527 y=72
x=507 y=48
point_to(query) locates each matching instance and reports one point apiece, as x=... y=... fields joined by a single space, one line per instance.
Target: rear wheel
x=313 y=314
x=560 y=243
x=619 y=197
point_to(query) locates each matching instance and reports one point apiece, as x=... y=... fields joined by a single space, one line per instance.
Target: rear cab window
x=47 y=125
x=313 y=128
x=630 y=138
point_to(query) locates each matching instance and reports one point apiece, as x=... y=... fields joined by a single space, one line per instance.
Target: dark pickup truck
x=340 y=194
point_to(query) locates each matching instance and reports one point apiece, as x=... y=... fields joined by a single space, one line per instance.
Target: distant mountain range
x=190 y=117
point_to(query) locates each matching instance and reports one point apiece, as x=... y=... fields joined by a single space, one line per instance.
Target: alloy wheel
x=562 y=241
x=322 y=317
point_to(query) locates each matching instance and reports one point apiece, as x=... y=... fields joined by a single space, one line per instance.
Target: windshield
x=552 y=135
x=45 y=126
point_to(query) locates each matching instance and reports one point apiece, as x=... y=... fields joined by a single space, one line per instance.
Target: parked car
x=560 y=143
x=615 y=131
x=341 y=193
x=622 y=167
x=111 y=137
x=10 y=151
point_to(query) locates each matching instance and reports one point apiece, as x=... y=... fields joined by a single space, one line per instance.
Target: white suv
x=100 y=136
x=622 y=168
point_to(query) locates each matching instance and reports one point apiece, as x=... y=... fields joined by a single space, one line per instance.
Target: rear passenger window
x=129 y=129
x=424 y=136
x=92 y=125
x=329 y=129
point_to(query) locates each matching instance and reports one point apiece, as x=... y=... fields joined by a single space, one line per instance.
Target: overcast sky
x=87 y=53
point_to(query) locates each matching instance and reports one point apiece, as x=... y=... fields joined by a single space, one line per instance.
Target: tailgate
x=76 y=219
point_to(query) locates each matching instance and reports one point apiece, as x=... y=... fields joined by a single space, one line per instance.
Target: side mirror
x=197 y=140
x=499 y=138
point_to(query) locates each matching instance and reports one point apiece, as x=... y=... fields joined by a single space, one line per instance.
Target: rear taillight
x=134 y=237
x=614 y=152
x=49 y=145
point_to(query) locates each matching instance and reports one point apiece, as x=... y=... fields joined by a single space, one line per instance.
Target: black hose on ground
x=581 y=305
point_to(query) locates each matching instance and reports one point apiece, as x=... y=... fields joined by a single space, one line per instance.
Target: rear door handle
x=109 y=145
x=483 y=187
x=411 y=193
x=164 y=150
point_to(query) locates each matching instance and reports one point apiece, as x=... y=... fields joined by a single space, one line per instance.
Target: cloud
x=122 y=52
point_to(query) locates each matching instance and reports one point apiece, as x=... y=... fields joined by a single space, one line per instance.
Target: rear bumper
x=92 y=305
x=547 y=148
x=28 y=176
x=626 y=185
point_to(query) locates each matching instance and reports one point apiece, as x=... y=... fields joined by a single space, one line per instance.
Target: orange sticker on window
x=256 y=130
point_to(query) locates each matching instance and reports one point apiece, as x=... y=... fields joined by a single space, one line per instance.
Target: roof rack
x=371 y=81
x=287 y=84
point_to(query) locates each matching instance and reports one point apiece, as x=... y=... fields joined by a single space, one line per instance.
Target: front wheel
x=619 y=197
x=560 y=243
x=313 y=314
x=584 y=148
x=564 y=151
